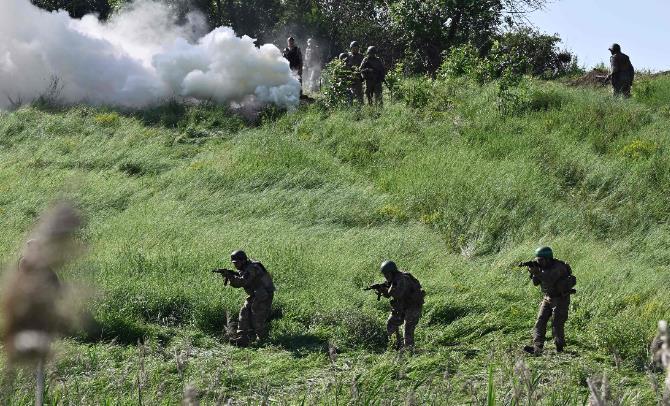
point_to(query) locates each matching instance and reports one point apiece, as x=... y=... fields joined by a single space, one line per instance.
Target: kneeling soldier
x=557 y=282
x=406 y=302
x=257 y=283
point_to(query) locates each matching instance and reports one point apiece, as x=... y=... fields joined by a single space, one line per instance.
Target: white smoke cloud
x=139 y=57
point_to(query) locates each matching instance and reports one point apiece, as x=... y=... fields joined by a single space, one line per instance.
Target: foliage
x=77 y=8
x=337 y=84
x=418 y=32
x=513 y=54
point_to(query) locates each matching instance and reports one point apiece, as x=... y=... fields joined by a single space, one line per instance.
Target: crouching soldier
x=257 y=283
x=557 y=282
x=406 y=303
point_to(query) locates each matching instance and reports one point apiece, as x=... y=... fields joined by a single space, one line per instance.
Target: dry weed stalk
x=661 y=356
x=191 y=396
x=32 y=297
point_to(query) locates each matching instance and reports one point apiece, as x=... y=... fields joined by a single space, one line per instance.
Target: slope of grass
x=452 y=189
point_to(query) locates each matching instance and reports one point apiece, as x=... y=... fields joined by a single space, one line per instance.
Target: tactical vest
x=415 y=295
x=265 y=277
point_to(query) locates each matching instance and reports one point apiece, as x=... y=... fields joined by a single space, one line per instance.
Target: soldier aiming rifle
x=557 y=283
x=406 y=296
x=257 y=282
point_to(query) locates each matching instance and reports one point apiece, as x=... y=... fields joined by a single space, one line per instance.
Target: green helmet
x=544 y=252
x=354 y=44
x=388 y=267
x=372 y=50
x=615 y=48
x=238 y=256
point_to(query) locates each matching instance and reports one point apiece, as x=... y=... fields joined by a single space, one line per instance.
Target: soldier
x=354 y=61
x=622 y=72
x=294 y=57
x=257 y=283
x=556 y=281
x=374 y=72
x=406 y=303
x=312 y=65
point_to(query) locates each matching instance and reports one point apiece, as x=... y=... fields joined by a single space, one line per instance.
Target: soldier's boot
x=533 y=349
x=241 y=341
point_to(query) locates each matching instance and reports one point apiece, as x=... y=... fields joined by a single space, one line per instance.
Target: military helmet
x=238 y=256
x=615 y=48
x=388 y=267
x=343 y=56
x=372 y=50
x=544 y=252
x=354 y=44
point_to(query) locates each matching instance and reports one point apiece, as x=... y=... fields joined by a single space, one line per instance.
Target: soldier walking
x=354 y=60
x=407 y=299
x=257 y=283
x=374 y=73
x=622 y=72
x=557 y=282
x=294 y=57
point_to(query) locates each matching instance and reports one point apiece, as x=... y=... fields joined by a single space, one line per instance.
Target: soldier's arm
x=243 y=278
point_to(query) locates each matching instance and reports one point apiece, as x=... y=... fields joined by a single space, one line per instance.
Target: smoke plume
x=140 y=56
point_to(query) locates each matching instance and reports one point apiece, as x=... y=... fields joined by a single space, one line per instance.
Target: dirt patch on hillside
x=593 y=78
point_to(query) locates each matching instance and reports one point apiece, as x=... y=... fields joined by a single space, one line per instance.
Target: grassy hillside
x=456 y=188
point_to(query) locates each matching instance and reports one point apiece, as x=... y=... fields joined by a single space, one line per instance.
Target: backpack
x=416 y=295
x=566 y=284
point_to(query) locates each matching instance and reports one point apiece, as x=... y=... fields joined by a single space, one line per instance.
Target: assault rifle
x=226 y=273
x=531 y=265
x=378 y=288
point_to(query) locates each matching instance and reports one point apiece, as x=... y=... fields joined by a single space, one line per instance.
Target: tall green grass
x=445 y=182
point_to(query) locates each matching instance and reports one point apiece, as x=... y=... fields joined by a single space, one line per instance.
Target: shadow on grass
x=301 y=345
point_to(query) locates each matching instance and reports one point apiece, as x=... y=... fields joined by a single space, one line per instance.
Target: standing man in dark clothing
x=557 y=282
x=354 y=61
x=294 y=57
x=374 y=73
x=622 y=72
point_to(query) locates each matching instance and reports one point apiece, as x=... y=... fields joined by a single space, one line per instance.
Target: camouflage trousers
x=255 y=317
x=558 y=308
x=410 y=318
x=621 y=86
x=374 y=89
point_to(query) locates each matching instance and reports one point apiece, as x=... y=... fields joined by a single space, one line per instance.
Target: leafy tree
x=77 y=8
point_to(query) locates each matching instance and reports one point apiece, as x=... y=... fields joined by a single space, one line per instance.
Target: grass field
x=454 y=182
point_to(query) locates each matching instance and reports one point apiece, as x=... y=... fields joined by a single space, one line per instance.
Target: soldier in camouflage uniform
x=407 y=299
x=354 y=61
x=556 y=281
x=374 y=72
x=257 y=283
x=294 y=57
x=622 y=72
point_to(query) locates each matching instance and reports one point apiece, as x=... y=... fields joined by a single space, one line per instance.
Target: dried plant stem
x=39 y=383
